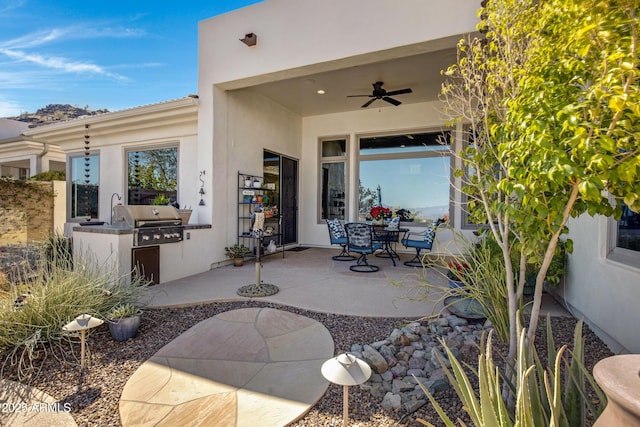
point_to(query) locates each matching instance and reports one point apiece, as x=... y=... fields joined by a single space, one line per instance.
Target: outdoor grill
x=152 y=225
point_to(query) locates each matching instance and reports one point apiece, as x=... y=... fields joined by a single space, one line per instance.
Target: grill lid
x=146 y=215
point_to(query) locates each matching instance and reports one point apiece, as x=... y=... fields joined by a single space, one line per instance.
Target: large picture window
x=409 y=173
x=624 y=238
x=152 y=176
x=333 y=169
x=84 y=186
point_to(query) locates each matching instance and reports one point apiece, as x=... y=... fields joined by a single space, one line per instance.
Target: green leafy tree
x=550 y=98
x=368 y=198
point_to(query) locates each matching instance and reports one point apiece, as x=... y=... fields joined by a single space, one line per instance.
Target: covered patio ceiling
x=420 y=72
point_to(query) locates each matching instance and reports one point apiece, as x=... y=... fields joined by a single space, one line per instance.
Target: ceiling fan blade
x=356 y=96
x=399 y=92
x=391 y=101
x=368 y=102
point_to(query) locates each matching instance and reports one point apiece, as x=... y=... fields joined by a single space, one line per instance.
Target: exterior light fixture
x=82 y=323
x=250 y=39
x=346 y=369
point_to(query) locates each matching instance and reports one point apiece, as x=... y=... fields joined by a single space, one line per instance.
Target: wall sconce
x=250 y=39
x=201 y=191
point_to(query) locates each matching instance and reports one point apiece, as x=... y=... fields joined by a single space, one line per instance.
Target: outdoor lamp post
x=82 y=323
x=346 y=369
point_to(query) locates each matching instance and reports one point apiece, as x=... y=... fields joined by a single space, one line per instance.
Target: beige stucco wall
x=323 y=35
x=606 y=293
x=298 y=38
x=250 y=124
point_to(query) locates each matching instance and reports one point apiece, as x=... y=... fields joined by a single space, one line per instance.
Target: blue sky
x=105 y=54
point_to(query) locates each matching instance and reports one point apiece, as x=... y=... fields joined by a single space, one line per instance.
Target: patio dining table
x=388 y=237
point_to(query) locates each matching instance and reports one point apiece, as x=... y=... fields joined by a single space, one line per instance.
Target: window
x=84 y=183
x=333 y=169
x=625 y=238
x=152 y=176
x=409 y=173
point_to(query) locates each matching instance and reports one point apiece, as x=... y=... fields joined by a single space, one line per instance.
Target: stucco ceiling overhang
x=417 y=67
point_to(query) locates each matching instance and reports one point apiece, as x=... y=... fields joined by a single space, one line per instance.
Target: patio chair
x=418 y=241
x=360 y=240
x=338 y=236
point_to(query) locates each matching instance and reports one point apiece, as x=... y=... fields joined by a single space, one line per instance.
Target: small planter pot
x=453 y=284
x=124 y=328
x=238 y=262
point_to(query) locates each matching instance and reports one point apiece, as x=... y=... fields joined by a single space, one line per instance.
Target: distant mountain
x=55 y=113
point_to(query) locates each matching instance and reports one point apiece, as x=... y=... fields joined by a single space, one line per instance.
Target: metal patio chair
x=338 y=236
x=360 y=240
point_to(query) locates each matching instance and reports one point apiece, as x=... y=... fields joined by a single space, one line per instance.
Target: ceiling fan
x=380 y=93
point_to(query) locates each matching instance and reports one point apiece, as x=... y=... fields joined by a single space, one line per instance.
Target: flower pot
x=124 y=328
x=247 y=182
x=185 y=215
x=238 y=262
x=257 y=184
x=453 y=284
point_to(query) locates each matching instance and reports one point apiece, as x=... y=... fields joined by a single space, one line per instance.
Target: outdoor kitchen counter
x=117 y=229
x=114 y=244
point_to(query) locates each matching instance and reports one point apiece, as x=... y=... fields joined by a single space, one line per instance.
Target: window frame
x=131 y=149
x=446 y=152
x=333 y=159
x=616 y=253
x=69 y=183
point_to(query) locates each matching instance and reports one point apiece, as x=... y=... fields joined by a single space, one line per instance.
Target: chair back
x=336 y=230
x=394 y=223
x=359 y=235
x=429 y=236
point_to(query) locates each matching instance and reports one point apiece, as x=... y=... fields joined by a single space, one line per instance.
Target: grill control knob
x=156 y=237
x=145 y=237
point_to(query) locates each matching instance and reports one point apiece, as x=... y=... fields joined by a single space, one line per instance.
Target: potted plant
x=160 y=200
x=124 y=321
x=458 y=274
x=237 y=253
x=379 y=214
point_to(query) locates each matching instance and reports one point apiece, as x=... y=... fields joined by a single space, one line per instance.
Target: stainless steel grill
x=152 y=225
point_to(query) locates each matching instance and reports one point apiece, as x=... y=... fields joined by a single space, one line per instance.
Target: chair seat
x=339 y=241
x=423 y=244
x=374 y=247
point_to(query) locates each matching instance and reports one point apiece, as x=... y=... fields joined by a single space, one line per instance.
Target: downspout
x=45 y=150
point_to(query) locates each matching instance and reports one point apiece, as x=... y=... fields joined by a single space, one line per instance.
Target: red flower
x=380 y=212
x=457 y=271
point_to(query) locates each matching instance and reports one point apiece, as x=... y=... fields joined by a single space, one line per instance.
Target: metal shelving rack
x=250 y=196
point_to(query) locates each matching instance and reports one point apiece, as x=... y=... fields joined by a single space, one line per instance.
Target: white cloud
x=61 y=64
x=9 y=109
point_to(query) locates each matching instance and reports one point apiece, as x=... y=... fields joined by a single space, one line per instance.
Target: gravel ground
x=94 y=396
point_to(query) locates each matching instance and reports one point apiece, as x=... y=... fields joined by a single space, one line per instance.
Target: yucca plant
x=552 y=396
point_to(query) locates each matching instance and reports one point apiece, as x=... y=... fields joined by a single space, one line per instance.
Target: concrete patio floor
x=308 y=279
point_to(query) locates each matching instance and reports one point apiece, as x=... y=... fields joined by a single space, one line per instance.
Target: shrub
x=237 y=251
x=49 y=176
x=47 y=295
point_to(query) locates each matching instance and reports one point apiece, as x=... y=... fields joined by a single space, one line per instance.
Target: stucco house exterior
x=282 y=89
x=22 y=157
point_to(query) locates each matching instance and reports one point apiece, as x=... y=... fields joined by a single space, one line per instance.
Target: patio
x=308 y=279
